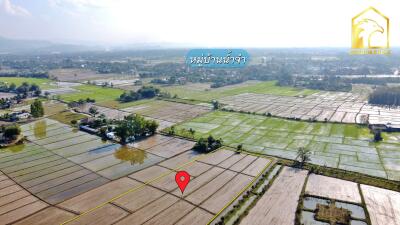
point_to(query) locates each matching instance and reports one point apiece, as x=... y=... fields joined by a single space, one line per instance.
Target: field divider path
x=241 y=191
x=135 y=188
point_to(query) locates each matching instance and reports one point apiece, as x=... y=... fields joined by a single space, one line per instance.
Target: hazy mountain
x=36 y=46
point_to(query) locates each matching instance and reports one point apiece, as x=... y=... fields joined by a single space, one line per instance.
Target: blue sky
x=222 y=23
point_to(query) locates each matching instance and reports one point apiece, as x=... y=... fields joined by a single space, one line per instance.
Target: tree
x=11 y=132
x=172 y=80
x=34 y=87
x=171 y=130
x=46 y=94
x=12 y=87
x=37 y=92
x=134 y=126
x=192 y=132
x=102 y=116
x=201 y=145
x=207 y=145
x=213 y=143
x=3 y=87
x=215 y=104
x=240 y=147
x=148 y=91
x=151 y=126
x=377 y=135
x=23 y=89
x=303 y=155
x=37 y=108
x=122 y=131
x=93 y=111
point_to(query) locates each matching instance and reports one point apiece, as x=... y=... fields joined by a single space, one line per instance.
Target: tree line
x=325 y=83
x=25 y=73
x=385 y=96
x=24 y=89
x=142 y=93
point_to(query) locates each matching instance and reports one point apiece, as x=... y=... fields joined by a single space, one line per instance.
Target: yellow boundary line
x=134 y=189
x=241 y=191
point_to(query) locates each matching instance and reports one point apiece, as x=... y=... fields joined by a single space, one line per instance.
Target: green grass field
x=43 y=83
x=67 y=116
x=344 y=146
x=100 y=94
x=186 y=92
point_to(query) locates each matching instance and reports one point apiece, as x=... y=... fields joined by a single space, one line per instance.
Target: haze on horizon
x=224 y=23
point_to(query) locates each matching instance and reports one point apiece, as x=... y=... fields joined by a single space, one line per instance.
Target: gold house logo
x=370 y=33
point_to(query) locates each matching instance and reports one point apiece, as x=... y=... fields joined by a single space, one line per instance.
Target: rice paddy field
x=344 y=146
x=208 y=94
x=278 y=205
x=60 y=173
x=172 y=112
x=310 y=199
x=337 y=107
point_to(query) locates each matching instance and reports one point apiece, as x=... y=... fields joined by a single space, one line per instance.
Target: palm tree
x=303 y=155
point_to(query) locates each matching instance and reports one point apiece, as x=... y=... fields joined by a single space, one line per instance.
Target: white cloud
x=81 y=4
x=11 y=9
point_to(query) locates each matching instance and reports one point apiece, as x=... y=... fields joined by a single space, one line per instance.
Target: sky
x=207 y=23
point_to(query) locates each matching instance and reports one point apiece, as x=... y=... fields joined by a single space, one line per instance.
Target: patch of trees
x=326 y=83
x=142 y=93
x=224 y=81
x=133 y=127
x=206 y=145
x=169 y=81
x=160 y=69
x=373 y=80
x=25 y=73
x=37 y=109
x=5 y=103
x=81 y=102
x=96 y=122
x=24 y=89
x=285 y=78
x=10 y=133
x=385 y=96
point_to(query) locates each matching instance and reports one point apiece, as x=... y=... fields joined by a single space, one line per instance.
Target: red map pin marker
x=182 y=179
